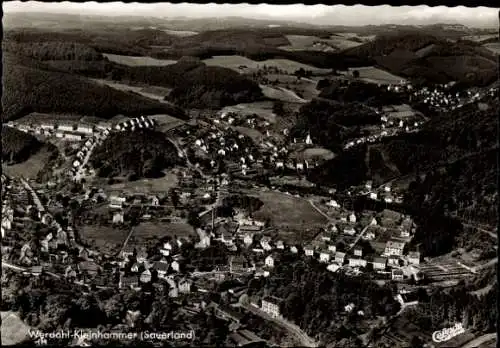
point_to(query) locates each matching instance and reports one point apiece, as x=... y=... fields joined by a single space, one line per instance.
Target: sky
x=314 y=14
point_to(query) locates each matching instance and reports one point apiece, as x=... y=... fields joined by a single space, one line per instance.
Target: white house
x=248 y=239
x=280 y=245
x=333 y=267
x=397 y=274
x=175 y=266
x=332 y=248
x=294 y=249
x=269 y=261
x=184 y=286
x=374 y=222
x=309 y=251
x=357 y=262
x=333 y=203
x=393 y=247
x=358 y=251
x=373 y=195
x=379 y=263
x=349 y=231
x=352 y=218
x=414 y=257
x=118 y=217
x=309 y=140
x=340 y=258
x=368 y=185
x=271 y=305
x=324 y=256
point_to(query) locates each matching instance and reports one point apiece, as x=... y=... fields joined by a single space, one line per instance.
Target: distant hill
x=18 y=146
x=332 y=123
x=138 y=154
x=28 y=88
x=434 y=59
x=194 y=83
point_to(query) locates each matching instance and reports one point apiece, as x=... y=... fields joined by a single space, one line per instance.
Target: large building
x=271 y=305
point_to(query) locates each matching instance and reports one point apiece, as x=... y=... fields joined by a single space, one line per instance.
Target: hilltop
x=29 y=88
x=434 y=59
x=18 y=146
x=138 y=154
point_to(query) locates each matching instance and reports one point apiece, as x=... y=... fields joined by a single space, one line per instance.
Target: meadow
x=234 y=62
x=294 y=217
x=148 y=230
x=180 y=33
x=138 y=60
x=333 y=43
x=262 y=109
x=148 y=186
x=372 y=74
x=283 y=94
x=151 y=92
x=29 y=168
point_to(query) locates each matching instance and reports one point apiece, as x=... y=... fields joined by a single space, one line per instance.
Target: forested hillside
x=138 y=154
x=18 y=146
x=28 y=89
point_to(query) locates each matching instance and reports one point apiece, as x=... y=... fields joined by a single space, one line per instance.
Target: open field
x=149 y=230
x=493 y=47
x=282 y=94
x=262 y=109
x=106 y=238
x=317 y=152
x=254 y=134
x=292 y=216
x=315 y=43
x=166 y=122
x=138 y=61
x=29 y=168
x=14 y=330
x=375 y=75
x=235 y=62
x=180 y=33
x=305 y=86
x=148 y=186
x=479 y=38
x=151 y=92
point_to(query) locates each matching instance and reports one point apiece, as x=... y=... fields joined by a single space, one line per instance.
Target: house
x=161 y=267
x=349 y=230
x=280 y=245
x=332 y=248
x=116 y=202
x=368 y=185
x=36 y=270
x=397 y=274
x=379 y=263
x=248 y=239
x=227 y=238
x=393 y=247
x=72 y=137
x=265 y=242
x=238 y=264
x=269 y=261
x=145 y=276
x=333 y=267
x=373 y=195
x=404 y=233
x=155 y=201
x=352 y=218
x=414 y=257
x=271 y=305
x=118 y=217
x=325 y=256
x=333 y=203
x=393 y=260
x=294 y=249
x=340 y=258
x=142 y=255
x=374 y=222
x=357 y=262
x=184 y=286
x=175 y=266
x=407 y=299
x=358 y=251
x=348 y=308
x=128 y=282
x=309 y=250
x=227 y=313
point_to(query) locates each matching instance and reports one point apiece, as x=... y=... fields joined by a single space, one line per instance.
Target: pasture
x=166 y=122
x=151 y=92
x=493 y=47
x=14 y=330
x=29 y=168
x=372 y=74
x=294 y=217
x=317 y=152
x=283 y=94
x=305 y=86
x=147 y=186
x=180 y=33
x=262 y=109
x=253 y=134
x=138 y=60
x=149 y=230
x=315 y=43
x=106 y=238
x=235 y=62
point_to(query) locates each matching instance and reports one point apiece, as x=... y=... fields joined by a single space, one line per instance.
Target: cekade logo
x=447 y=333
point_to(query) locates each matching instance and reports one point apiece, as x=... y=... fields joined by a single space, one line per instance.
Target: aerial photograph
x=237 y=175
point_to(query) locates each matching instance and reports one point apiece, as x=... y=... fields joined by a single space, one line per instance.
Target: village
x=370 y=243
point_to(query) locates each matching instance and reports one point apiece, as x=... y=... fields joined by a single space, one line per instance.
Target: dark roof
x=161 y=266
x=410 y=297
x=273 y=299
x=130 y=280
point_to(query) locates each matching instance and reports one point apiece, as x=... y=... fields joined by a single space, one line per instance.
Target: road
x=126 y=240
x=480 y=340
x=359 y=237
x=319 y=210
x=305 y=340
x=182 y=152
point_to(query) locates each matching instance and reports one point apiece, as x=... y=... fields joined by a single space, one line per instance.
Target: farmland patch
x=138 y=60
x=282 y=94
x=262 y=109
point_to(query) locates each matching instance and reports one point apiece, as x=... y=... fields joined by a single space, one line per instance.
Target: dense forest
x=314 y=298
x=138 y=154
x=30 y=89
x=18 y=146
x=332 y=123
